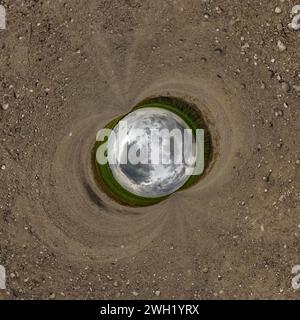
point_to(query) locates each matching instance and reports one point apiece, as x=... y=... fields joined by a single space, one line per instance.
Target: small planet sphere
x=143 y=162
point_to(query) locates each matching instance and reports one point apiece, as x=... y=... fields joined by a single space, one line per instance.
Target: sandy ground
x=69 y=67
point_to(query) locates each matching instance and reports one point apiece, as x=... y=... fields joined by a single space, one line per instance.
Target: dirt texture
x=67 y=68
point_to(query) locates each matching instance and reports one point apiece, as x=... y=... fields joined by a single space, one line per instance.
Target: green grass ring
x=103 y=175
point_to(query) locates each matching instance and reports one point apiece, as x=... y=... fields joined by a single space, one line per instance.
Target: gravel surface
x=68 y=67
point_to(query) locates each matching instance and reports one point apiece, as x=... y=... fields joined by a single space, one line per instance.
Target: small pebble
x=285 y=87
x=281 y=46
x=5 y=106
x=157 y=293
x=279 y=27
x=52 y=296
x=278 y=10
x=205 y=270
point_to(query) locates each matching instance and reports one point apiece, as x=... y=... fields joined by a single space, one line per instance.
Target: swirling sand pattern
x=200 y=243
